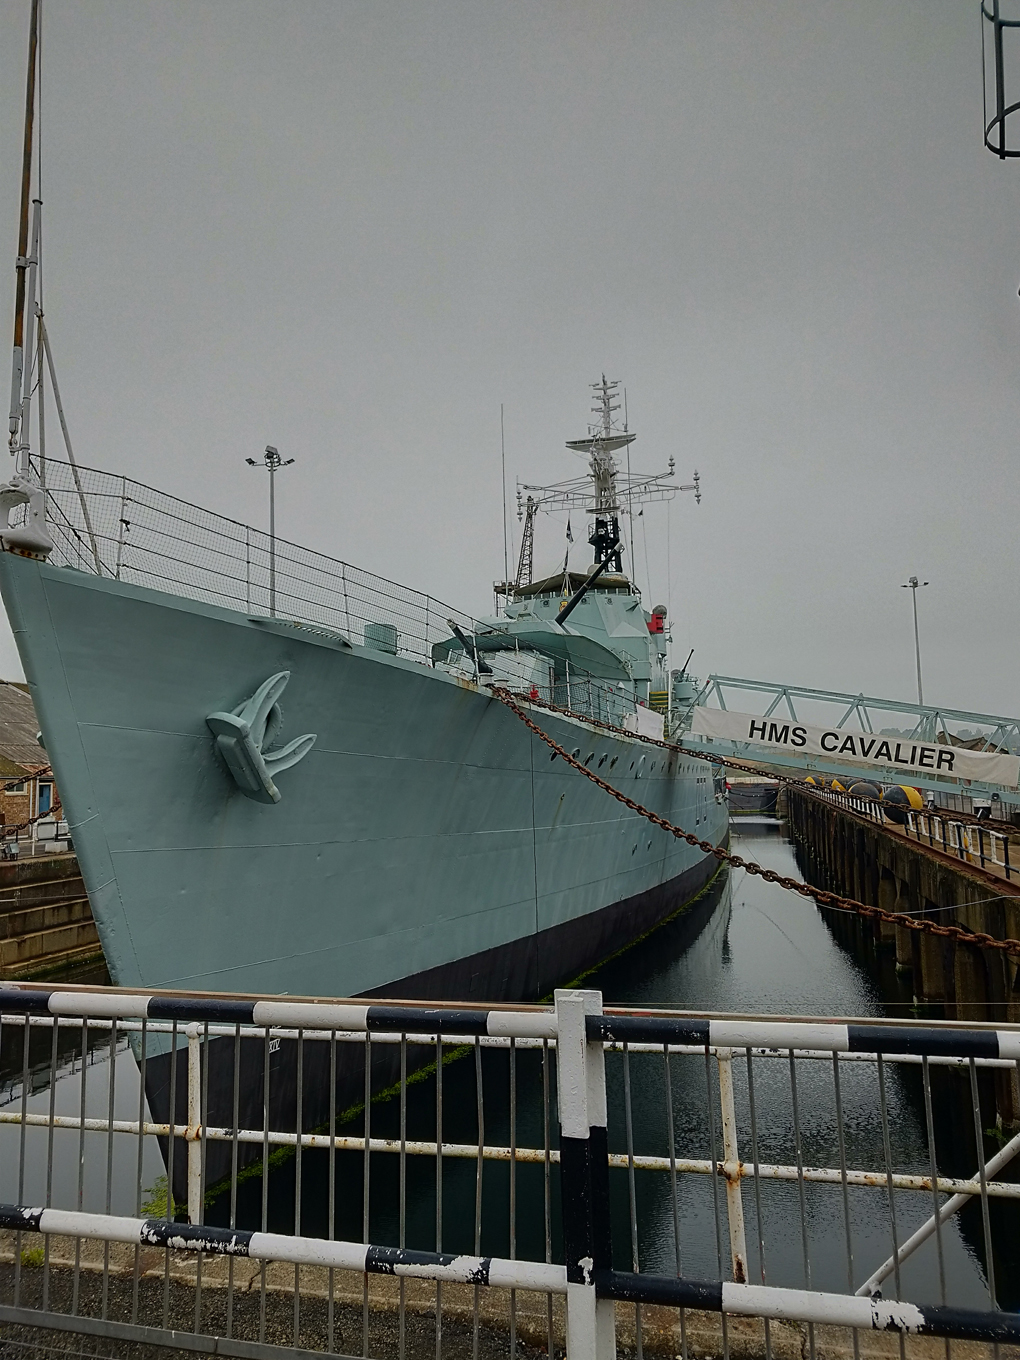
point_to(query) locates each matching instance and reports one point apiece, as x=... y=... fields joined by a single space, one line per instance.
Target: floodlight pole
x=272 y=460
x=912 y=585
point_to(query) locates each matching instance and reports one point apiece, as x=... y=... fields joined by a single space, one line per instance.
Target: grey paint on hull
x=425 y=826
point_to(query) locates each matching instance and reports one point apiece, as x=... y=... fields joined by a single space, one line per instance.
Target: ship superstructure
x=591 y=626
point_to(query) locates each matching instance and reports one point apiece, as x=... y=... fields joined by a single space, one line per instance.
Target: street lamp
x=912 y=585
x=272 y=460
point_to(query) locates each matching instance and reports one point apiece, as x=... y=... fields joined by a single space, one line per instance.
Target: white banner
x=858 y=747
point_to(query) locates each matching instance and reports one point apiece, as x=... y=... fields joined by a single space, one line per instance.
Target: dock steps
x=46 y=922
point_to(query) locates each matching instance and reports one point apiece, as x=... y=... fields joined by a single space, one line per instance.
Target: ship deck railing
x=115 y=527
x=454 y=1180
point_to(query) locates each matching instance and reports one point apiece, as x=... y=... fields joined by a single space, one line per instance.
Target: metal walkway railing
x=262 y=1177
x=973 y=841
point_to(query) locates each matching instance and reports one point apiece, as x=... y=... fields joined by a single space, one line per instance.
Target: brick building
x=22 y=759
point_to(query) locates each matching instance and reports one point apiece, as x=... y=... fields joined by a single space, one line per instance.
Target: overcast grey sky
x=354 y=229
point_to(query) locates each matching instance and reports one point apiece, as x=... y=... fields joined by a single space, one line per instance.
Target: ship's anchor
x=241 y=735
x=30 y=539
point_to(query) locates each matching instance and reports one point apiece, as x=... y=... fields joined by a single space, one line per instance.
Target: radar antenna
x=598 y=493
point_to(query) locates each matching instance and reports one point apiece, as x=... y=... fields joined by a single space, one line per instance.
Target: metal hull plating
x=426 y=827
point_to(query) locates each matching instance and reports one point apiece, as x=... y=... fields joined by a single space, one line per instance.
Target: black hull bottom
x=760 y=798
x=524 y=970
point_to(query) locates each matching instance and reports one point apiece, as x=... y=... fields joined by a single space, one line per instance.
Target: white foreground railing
x=630 y=1142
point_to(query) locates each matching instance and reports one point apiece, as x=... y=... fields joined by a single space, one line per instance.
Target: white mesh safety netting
x=113 y=526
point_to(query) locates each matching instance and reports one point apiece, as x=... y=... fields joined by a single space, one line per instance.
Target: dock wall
x=46 y=922
x=858 y=858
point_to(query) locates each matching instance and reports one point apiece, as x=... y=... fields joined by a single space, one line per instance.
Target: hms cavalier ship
x=285 y=775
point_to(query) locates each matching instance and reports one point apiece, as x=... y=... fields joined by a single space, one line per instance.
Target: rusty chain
x=27 y=777
x=6 y=830
x=39 y=817
x=822 y=896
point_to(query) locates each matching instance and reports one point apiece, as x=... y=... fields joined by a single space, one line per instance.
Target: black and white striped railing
x=824 y=1037
x=607 y=1286
x=813 y=1306
x=324 y=1015
x=310 y=1251
x=582 y=1034
x=681 y=1030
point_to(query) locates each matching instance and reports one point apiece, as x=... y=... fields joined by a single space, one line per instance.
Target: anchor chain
x=942 y=815
x=20 y=779
x=822 y=896
x=39 y=817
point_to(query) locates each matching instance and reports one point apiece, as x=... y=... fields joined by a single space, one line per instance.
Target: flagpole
x=506 y=551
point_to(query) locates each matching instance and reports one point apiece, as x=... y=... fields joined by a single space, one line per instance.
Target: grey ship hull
x=426 y=829
x=426 y=847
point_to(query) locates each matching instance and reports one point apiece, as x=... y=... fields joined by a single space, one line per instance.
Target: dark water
x=756 y=948
x=748 y=947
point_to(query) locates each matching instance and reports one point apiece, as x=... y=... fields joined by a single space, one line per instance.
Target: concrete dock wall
x=46 y=922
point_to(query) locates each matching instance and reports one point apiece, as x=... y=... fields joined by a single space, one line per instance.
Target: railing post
x=731 y=1166
x=584 y=1176
x=194 y=1130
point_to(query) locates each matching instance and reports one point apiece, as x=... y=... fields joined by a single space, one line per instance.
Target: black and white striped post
x=584 y=1175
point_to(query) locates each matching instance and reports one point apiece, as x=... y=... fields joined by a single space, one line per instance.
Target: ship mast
x=524 y=566
x=601 y=447
x=25 y=265
x=598 y=492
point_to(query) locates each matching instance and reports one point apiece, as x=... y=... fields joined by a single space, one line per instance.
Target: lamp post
x=272 y=460
x=912 y=585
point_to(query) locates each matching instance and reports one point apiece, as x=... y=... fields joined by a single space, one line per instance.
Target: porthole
x=602 y=761
x=590 y=758
x=576 y=752
x=613 y=761
x=554 y=755
x=631 y=764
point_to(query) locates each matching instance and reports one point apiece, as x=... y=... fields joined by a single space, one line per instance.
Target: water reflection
x=97 y=1076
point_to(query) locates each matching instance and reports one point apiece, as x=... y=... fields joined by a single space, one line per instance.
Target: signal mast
x=602 y=493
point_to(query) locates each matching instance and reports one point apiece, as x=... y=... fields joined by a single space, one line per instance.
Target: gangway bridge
x=853 y=736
